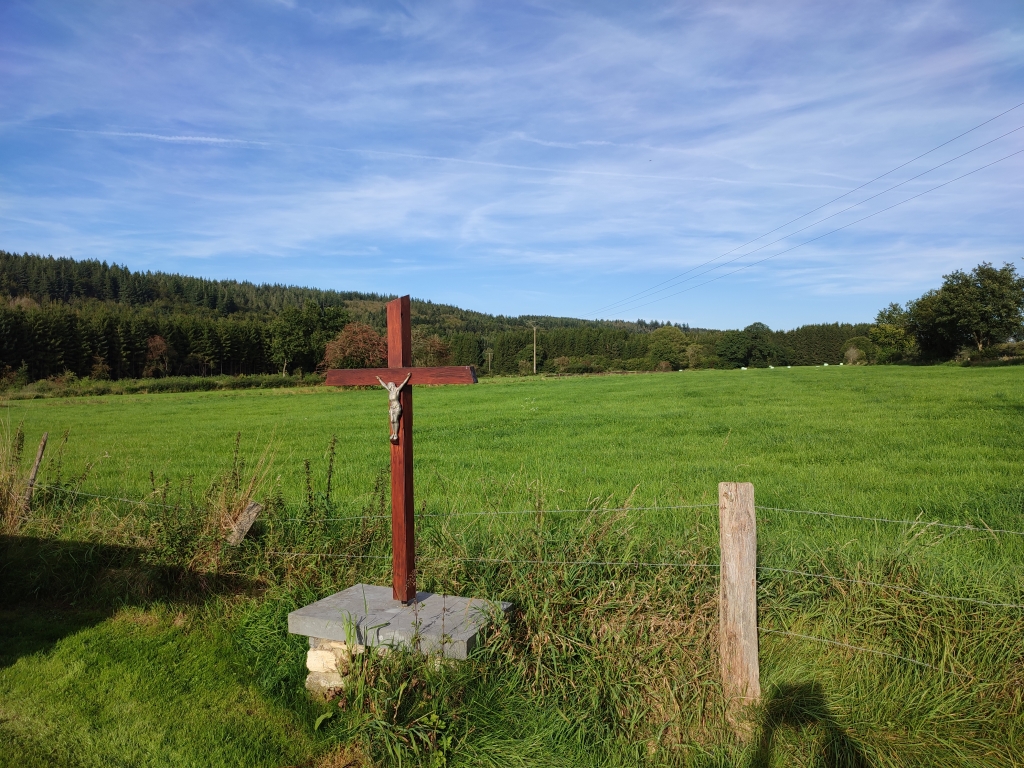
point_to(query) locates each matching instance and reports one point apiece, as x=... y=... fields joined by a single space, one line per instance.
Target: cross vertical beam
x=403 y=531
x=400 y=373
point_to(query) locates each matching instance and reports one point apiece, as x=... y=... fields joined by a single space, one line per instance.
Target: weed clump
x=12 y=485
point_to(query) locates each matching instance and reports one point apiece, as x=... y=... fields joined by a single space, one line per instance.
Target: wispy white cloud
x=163 y=137
x=570 y=156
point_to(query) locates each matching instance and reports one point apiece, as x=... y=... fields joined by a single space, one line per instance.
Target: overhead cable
x=819 y=221
x=644 y=293
x=826 y=234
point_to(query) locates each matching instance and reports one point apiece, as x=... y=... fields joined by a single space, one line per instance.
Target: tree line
x=972 y=315
x=116 y=341
x=89 y=319
x=668 y=348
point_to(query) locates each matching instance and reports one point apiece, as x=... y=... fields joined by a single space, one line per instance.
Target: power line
x=824 y=218
x=826 y=234
x=808 y=213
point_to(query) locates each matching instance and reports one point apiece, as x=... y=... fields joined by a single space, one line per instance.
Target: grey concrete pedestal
x=368 y=615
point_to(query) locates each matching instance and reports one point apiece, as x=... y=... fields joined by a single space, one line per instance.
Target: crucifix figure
x=403 y=538
x=394 y=404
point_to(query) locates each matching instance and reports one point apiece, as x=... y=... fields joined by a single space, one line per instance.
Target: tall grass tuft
x=226 y=500
x=12 y=484
x=610 y=655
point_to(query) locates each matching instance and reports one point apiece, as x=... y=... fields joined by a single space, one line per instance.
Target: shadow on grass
x=50 y=589
x=803 y=707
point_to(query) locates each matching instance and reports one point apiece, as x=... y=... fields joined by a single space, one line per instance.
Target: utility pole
x=490 y=354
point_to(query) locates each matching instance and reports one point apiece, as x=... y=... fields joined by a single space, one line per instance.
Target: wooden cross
x=403 y=532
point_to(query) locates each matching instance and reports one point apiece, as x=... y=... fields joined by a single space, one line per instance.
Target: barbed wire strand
x=672 y=564
x=331 y=519
x=387 y=517
x=862 y=650
x=330 y=554
x=937 y=524
x=145 y=502
x=887 y=585
x=109 y=498
x=511 y=512
x=626 y=563
x=555 y=511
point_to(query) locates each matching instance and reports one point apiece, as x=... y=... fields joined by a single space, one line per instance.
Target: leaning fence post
x=737 y=606
x=35 y=470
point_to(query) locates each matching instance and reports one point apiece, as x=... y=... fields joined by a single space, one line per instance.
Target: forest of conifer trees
x=85 y=318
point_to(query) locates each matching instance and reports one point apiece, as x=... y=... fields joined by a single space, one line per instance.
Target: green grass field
x=605 y=664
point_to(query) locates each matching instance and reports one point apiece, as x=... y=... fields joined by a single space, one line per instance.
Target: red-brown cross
x=403 y=532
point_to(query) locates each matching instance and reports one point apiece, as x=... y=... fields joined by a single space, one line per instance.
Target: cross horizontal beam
x=365 y=377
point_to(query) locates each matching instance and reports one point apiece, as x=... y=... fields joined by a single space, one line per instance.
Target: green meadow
x=123 y=641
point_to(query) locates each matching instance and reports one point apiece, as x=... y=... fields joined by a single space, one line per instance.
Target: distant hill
x=64 y=316
x=49 y=279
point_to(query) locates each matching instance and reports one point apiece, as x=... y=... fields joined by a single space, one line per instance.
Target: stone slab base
x=367 y=615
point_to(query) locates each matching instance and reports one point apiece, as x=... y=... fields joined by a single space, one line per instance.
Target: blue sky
x=534 y=158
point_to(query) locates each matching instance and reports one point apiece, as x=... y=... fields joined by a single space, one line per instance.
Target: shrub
x=696 y=355
x=357 y=346
x=637 y=364
x=666 y=346
x=588 y=364
x=430 y=350
x=859 y=350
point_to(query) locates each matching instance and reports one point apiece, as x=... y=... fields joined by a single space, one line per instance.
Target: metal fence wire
x=917 y=523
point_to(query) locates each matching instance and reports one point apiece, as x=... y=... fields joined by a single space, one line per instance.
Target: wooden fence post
x=737 y=629
x=35 y=470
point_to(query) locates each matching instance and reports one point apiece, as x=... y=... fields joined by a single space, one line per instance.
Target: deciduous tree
x=983 y=306
x=978 y=308
x=357 y=346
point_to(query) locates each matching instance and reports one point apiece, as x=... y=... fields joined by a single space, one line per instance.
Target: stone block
x=318 y=660
x=324 y=683
x=367 y=615
x=342 y=651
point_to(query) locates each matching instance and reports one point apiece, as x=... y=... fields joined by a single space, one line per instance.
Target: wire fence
x=861 y=649
x=498 y=513
x=644 y=564
x=73 y=492
x=667 y=507
x=485 y=513
x=926 y=524
x=889 y=585
x=673 y=564
x=512 y=561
